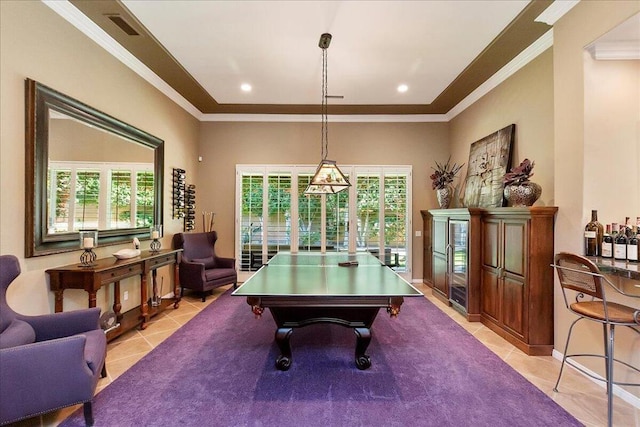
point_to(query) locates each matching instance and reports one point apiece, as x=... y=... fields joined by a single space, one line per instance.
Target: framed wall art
x=489 y=160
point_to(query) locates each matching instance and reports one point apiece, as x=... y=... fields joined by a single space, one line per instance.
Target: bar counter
x=623 y=269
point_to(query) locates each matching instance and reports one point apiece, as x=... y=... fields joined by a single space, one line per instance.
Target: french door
x=273 y=214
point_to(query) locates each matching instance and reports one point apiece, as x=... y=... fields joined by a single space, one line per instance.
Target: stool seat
x=595 y=310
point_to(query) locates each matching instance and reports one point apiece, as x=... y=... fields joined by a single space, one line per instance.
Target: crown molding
x=335 y=118
x=79 y=20
x=621 y=50
x=526 y=56
x=556 y=11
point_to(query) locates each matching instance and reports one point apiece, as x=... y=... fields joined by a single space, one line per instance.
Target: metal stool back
x=579 y=274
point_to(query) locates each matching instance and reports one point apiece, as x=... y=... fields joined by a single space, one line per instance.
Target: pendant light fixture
x=328 y=179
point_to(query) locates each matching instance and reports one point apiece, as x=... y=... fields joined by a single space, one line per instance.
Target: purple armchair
x=47 y=362
x=200 y=269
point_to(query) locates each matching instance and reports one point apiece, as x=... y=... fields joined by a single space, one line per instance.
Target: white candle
x=87 y=242
x=155 y=234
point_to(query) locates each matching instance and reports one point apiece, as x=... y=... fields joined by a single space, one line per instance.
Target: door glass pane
x=368 y=212
x=337 y=221
x=395 y=220
x=458 y=236
x=251 y=222
x=279 y=215
x=309 y=217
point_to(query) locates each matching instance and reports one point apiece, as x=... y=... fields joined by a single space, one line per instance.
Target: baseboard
x=617 y=390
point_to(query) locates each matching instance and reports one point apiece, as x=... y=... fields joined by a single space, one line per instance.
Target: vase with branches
x=518 y=189
x=441 y=179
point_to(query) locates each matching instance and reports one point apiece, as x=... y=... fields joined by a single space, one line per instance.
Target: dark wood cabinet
x=427 y=271
x=506 y=270
x=517 y=277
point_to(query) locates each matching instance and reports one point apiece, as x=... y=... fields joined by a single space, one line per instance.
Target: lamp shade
x=328 y=179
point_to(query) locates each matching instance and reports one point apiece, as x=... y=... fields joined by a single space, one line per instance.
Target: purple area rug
x=219 y=370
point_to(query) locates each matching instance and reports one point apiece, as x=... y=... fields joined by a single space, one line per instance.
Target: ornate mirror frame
x=39 y=101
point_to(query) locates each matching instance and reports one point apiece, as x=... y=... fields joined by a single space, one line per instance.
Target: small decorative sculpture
x=129 y=253
x=441 y=181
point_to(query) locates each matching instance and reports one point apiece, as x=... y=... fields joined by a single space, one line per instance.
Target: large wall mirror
x=86 y=170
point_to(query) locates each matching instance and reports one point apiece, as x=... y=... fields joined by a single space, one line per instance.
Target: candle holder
x=88 y=241
x=156 y=233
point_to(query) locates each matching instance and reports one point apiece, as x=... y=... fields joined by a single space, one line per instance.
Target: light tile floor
x=581 y=397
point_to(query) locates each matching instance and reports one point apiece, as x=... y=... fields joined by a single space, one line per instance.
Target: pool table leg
x=363 y=338
x=283 y=362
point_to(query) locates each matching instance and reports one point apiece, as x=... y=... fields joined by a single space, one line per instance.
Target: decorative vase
x=444 y=196
x=522 y=195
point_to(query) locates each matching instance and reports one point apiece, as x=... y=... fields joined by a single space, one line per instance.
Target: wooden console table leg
x=144 y=307
x=92 y=299
x=176 y=284
x=117 y=306
x=59 y=299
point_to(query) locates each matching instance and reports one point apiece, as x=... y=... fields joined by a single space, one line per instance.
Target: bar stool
x=579 y=274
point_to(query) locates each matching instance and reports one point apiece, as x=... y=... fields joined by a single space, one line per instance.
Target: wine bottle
x=627 y=227
x=593 y=233
x=607 y=243
x=633 y=244
x=620 y=245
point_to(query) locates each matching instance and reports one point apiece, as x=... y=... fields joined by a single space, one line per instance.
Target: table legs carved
x=144 y=306
x=283 y=362
x=363 y=338
x=117 y=306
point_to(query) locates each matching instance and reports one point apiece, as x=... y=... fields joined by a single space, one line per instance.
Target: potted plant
x=518 y=189
x=441 y=181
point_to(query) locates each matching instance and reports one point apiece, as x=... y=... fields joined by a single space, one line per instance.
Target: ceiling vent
x=123 y=25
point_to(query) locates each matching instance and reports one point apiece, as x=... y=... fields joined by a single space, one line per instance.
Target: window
x=74 y=201
x=376 y=208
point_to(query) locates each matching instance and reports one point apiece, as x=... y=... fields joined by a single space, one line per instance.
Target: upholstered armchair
x=47 y=362
x=200 y=268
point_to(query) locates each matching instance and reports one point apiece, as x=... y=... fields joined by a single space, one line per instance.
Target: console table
x=112 y=270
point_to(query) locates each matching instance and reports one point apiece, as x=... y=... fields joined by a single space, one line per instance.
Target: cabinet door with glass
x=458 y=266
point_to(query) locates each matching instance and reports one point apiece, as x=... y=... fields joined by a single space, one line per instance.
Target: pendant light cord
x=325 y=125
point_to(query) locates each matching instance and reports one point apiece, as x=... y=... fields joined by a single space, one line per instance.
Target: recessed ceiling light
x=403 y=88
x=246 y=87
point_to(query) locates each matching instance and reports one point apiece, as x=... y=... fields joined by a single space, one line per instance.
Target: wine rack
x=179 y=189
x=190 y=203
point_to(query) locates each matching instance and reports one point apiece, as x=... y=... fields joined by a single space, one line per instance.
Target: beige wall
x=39 y=44
x=574 y=124
x=223 y=145
x=612 y=131
x=73 y=141
x=526 y=99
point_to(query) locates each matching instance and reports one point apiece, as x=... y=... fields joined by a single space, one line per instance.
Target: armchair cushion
x=18 y=333
x=209 y=262
x=220 y=273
